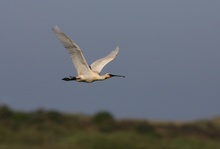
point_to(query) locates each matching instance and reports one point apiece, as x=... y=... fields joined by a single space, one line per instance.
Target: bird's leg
x=71 y=78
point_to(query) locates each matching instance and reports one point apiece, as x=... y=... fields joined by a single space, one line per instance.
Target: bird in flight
x=85 y=72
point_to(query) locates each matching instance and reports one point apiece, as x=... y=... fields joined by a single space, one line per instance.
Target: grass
x=84 y=140
x=51 y=129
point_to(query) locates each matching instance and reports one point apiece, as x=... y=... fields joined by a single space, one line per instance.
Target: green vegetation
x=51 y=129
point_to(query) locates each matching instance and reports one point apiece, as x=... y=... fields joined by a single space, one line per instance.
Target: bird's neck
x=103 y=77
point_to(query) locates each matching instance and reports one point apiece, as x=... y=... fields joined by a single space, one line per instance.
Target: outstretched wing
x=100 y=63
x=74 y=51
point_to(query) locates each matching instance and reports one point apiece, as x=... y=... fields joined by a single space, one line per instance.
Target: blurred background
x=169 y=53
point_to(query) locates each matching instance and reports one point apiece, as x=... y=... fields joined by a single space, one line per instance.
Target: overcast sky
x=169 y=53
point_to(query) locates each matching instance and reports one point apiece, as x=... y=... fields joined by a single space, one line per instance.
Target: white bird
x=85 y=72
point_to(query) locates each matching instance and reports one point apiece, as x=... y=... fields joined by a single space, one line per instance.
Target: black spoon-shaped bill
x=112 y=75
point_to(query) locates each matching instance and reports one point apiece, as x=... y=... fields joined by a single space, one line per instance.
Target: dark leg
x=71 y=78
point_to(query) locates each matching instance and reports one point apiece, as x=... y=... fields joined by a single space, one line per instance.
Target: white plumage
x=85 y=72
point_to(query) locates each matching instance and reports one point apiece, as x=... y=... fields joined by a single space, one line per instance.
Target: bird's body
x=85 y=72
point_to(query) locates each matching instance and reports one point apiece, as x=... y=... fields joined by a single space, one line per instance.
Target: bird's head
x=108 y=75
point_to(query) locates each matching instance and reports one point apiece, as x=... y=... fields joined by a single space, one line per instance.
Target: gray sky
x=170 y=55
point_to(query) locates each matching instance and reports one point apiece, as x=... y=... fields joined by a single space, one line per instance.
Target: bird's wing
x=100 y=63
x=75 y=52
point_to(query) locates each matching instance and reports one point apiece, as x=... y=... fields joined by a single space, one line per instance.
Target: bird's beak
x=111 y=75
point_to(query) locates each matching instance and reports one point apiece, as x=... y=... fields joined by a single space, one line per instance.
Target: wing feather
x=74 y=50
x=98 y=65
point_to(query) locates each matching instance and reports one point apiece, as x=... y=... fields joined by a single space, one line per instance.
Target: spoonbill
x=85 y=72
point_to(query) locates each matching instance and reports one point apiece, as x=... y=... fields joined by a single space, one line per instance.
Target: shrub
x=104 y=121
x=55 y=116
x=145 y=128
x=5 y=112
